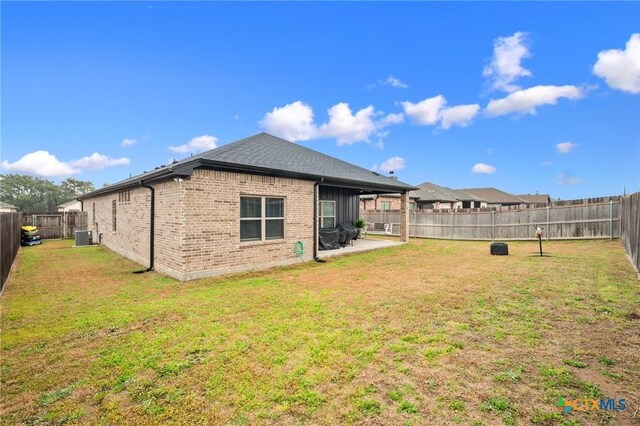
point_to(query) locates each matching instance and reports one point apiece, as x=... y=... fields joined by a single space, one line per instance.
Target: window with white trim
x=261 y=218
x=327 y=214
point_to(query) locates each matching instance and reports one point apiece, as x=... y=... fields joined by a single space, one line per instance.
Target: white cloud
x=196 y=145
x=128 y=142
x=460 y=115
x=565 y=179
x=347 y=127
x=393 y=118
x=392 y=164
x=505 y=66
x=483 y=169
x=40 y=163
x=565 y=147
x=98 y=161
x=621 y=68
x=389 y=81
x=434 y=110
x=527 y=100
x=293 y=122
x=426 y=112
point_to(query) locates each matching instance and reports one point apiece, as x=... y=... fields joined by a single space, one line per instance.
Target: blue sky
x=525 y=97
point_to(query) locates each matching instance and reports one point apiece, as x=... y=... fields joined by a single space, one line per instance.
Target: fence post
x=493 y=225
x=611 y=219
x=548 y=223
x=452 y=225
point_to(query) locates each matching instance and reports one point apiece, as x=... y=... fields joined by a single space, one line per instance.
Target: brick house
x=495 y=197
x=384 y=202
x=239 y=207
x=427 y=196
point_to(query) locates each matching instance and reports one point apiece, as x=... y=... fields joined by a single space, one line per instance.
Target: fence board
x=9 y=242
x=58 y=225
x=630 y=228
x=600 y=218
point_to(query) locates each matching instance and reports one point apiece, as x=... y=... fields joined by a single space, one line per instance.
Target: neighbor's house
x=432 y=196
x=384 y=202
x=71 y=206
x=535 y=198
x=427 y=196
x=494 y=197
x=7 y=208
x=241 y=206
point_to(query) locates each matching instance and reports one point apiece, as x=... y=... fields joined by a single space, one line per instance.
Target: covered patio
x=359 y=246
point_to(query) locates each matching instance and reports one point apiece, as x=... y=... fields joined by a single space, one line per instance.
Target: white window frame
x=321 y=217
x=385 y=203
x=263 y=218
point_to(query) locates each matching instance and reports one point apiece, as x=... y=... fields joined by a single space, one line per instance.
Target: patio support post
x=404 y=216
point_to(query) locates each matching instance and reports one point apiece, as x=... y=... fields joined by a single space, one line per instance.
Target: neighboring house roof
x=68 y=204
x=4 y=205
x=534 y=198
x=431 y=192
x=266 y=154
x=494 y=195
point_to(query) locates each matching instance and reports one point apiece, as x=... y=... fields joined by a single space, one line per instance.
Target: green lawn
x=433 y=332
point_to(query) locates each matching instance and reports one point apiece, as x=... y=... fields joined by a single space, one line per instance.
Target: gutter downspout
x=315 y=221
x=152 y=224
x=81 y=209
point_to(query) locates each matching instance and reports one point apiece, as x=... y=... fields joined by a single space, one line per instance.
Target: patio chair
x=364 y=231
x=387 y=229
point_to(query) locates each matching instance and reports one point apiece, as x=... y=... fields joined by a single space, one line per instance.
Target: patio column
x=404 y=216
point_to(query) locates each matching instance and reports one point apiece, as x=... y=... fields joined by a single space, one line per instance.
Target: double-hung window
x=261 y=218
x=386 y=205
x=327 y=214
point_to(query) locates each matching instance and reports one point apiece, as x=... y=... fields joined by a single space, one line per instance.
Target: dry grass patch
x=435 y=332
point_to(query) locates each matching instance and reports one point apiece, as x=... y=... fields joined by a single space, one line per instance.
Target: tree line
x=36 y=195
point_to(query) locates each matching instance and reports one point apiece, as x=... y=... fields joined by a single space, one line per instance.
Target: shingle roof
x=534 y=198
x=7 y=206
x=431 y=192
x=494 y=195
x=267 y=154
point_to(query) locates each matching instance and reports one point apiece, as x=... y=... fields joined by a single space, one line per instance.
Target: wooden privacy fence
x=566 y=221
x=9 y=242
x=630 y=228
x=57 y=225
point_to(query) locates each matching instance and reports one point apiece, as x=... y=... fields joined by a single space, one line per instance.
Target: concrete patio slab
x=359 y=246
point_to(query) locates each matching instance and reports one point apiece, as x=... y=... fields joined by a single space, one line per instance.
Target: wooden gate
x=57 y=225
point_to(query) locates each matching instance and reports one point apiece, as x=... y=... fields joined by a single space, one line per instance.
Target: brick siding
x=197 y=224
